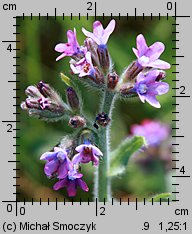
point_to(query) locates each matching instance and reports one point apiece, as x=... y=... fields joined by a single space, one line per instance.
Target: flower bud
x=132 y=71
x=47 y=91
x=32 y=91
x=104 y=59
x=43 y=102
x=102 y=119
x=73 y=99
x=92 y=47
x=112 y=81
x=32 y=103
x=77 y=122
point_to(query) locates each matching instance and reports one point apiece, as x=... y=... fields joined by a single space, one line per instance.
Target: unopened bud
x=73 y=99
x=102 y=119
x=92 y=47
x=32 y=103
x=161 y=76
x=132 y=71
x=112 y=81
x=43 y=102
x=32 y=91
x=46 y=90
x=104 y=59
x=77 y=122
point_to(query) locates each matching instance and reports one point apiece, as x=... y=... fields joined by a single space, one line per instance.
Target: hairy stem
x=103 y=184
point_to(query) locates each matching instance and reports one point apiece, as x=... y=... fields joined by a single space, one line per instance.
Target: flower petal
x=75 y=70
x=140 y=77
x=155 y=50
x=151 y=99
x=60 y=47
x=91 y=35
x=143 y=61
x=63 y=171
x=151 y=76
x=135 y=51
x=51 y=167
x=80 y=148
x=48 y=156
x=98 y=29
x=60 y=184
x=61 y=56
x=83 y=185
x=72 y=188
x=107 y=32
x=159 y=64
x=142 y=97
x=61 y=155
x=96 y=150
x=141 y=45
x=77 y=159
x=71 y=37
x=95 y=160
x=160 y=87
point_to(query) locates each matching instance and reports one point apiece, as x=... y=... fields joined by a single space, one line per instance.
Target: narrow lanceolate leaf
x=158 y=197
x=65 y=79
x=121 y=156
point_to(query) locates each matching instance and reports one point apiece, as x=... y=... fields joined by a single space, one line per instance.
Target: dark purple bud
x=104 y=59
x=102 y=119
x=161 y=76
x=132 y=71
x=45 y=89
x=77 y=122
x=112 y=81
x=73 y=99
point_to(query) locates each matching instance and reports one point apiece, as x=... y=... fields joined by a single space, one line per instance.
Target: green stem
x=103 y=183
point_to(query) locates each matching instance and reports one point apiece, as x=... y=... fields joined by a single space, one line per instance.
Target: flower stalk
x=102 y=180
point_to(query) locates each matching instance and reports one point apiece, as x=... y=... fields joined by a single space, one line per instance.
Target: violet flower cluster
x=158 y=144
x=154 y=132
x=59 y=165
x=92 y=63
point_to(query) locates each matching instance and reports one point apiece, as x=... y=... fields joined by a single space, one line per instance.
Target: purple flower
x=70 y=48
x=58 y=163
x=71 y=182
x=153 y=131
x=149 y=56
x=84 y=67
x=100 y=35
x=147 y=88
x=87 y=153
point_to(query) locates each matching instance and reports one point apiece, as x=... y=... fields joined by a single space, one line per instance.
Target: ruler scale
x=59 y=214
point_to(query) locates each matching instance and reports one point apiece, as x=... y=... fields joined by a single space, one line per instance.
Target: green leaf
x=121 y=156
x=66 y=79
x=157 y=197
